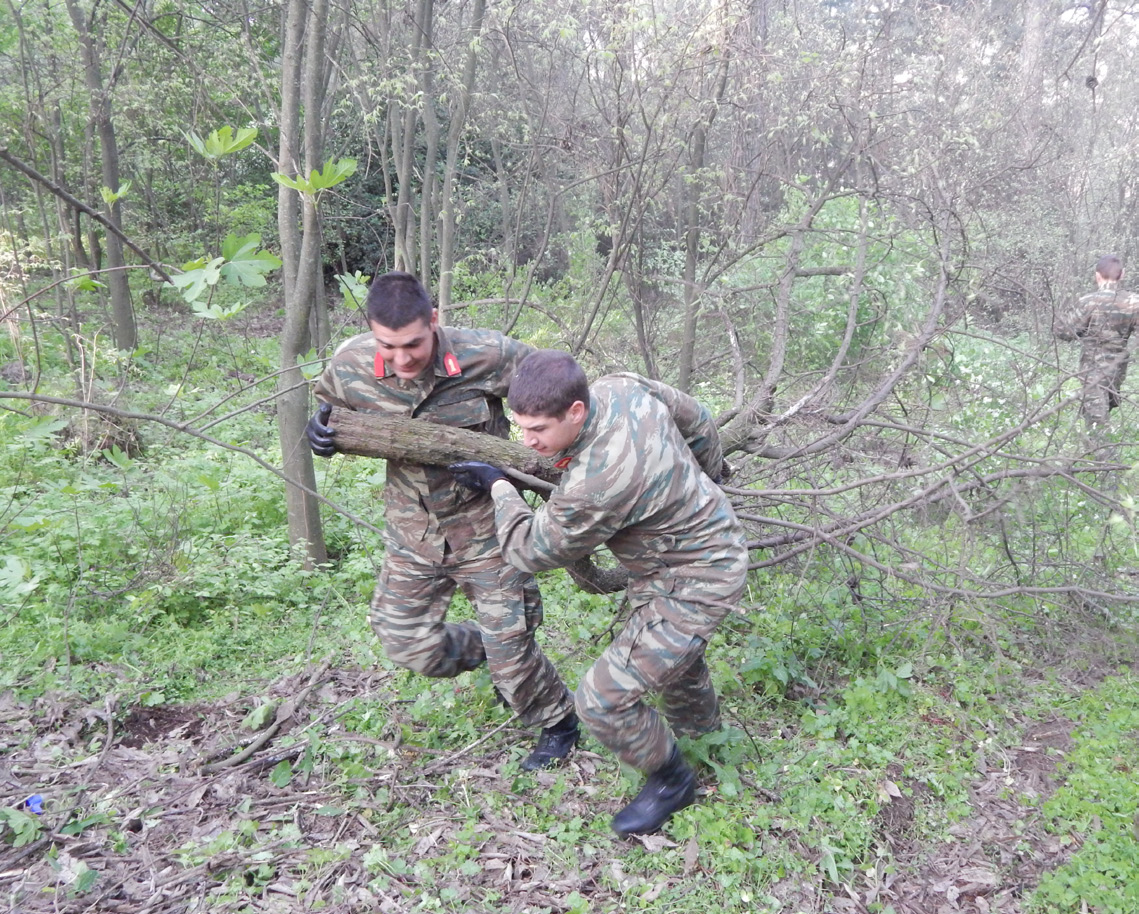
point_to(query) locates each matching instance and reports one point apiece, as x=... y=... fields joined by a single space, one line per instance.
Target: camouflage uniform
x=1104 y=321
x=635 y=480
x=439 y=534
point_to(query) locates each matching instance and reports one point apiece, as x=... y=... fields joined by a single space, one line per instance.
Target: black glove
x=319 y=434
x=476 y=475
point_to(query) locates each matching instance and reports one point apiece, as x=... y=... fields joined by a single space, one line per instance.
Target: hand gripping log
x=372 y=434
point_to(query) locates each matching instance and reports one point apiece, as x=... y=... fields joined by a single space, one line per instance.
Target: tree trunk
x=459 y=111
x=122 y=311
x=300 y=253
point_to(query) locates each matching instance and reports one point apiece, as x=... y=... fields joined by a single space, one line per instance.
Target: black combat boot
x=669 y=788
x=554 y=744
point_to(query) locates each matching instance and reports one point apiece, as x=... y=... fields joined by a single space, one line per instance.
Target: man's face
x=550 y=434
x=410 y=351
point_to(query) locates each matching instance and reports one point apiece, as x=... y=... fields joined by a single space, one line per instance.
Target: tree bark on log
x=373 y=434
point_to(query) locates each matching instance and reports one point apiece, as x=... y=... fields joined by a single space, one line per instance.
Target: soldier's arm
x=1072 y=322
x=566 y=528
x=329 y=389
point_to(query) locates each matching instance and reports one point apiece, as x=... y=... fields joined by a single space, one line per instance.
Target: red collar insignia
x=451 y=364
x=563 y=463
x=381 y=368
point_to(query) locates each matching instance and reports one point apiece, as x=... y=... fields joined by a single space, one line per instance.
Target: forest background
x=846 y=227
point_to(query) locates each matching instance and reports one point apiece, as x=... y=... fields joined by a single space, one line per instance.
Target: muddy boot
x=668 y=789
x=554 y=744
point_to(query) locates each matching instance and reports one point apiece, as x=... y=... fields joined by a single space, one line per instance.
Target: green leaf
x=114 y=196
x=42 y=429
x=354 y=287
x=222 y=141
x=85 y=881
x=77 y=828
x=16 y=578
x=261 y=716
x=85 y=283
x=118 y=457
x=335 y=171
x=329 y=811
x=282 y=774
x=25 y=828
x=197 y=277
x=310 y=364
x=212 y=312
x=245 y=265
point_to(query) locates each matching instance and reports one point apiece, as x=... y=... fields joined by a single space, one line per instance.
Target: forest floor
x=154 y=800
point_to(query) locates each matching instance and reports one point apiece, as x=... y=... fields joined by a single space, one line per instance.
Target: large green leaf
x=222 y=141
x=196 y=276
x=245 y=265
x=335 y=171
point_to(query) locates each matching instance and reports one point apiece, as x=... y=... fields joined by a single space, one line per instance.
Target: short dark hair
x=1110 y=267
x=397 y=299
x=547 y=383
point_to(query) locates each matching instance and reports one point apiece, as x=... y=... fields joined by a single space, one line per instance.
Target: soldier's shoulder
x=620 y=381
x=474 y=336
x=363 y=344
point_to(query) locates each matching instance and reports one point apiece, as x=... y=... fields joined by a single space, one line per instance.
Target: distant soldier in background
x=641 y=463
x=1103 y=321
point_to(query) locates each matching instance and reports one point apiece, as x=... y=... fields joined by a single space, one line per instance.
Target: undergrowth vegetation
x=870 y=716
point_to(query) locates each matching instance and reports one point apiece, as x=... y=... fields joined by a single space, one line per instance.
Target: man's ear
x=576 y=412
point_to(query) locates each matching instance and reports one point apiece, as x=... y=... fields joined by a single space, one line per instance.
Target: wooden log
x=374 y=434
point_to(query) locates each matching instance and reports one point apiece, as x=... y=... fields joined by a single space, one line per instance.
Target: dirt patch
x=154 y=724
x=999 y=853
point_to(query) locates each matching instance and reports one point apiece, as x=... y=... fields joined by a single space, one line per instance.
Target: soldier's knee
x=590 y=706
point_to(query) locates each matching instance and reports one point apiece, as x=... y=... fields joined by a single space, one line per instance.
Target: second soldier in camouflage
x=640 y=461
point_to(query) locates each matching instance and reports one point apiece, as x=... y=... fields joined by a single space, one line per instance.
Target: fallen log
x=374 y=434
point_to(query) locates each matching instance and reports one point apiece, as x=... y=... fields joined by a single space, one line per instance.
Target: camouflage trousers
x=408 y=613
x=660 y=650
x=1103 y=372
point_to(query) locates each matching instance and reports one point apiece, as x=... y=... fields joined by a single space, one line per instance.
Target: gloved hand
x=476 y=475
x=319 y=434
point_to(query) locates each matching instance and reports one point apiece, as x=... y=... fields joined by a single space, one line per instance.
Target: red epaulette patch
x=563 y=463
x=451 y=364
x=381 y=368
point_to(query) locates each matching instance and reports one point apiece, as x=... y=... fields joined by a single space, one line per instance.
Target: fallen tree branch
x=284 y=712
x=374 y=434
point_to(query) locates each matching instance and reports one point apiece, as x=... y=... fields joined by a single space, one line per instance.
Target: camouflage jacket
x=1104 y=319
x=636 y=479
x=425 y=510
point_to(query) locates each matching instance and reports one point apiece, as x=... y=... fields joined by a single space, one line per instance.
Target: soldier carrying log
x=440 y=535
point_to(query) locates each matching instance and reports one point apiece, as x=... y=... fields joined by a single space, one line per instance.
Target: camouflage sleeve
x=1072 y=320
x=562 y=530
x=326 y=387
x=695 y=423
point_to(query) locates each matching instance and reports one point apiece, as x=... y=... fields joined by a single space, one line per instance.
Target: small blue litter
x=35 y=803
